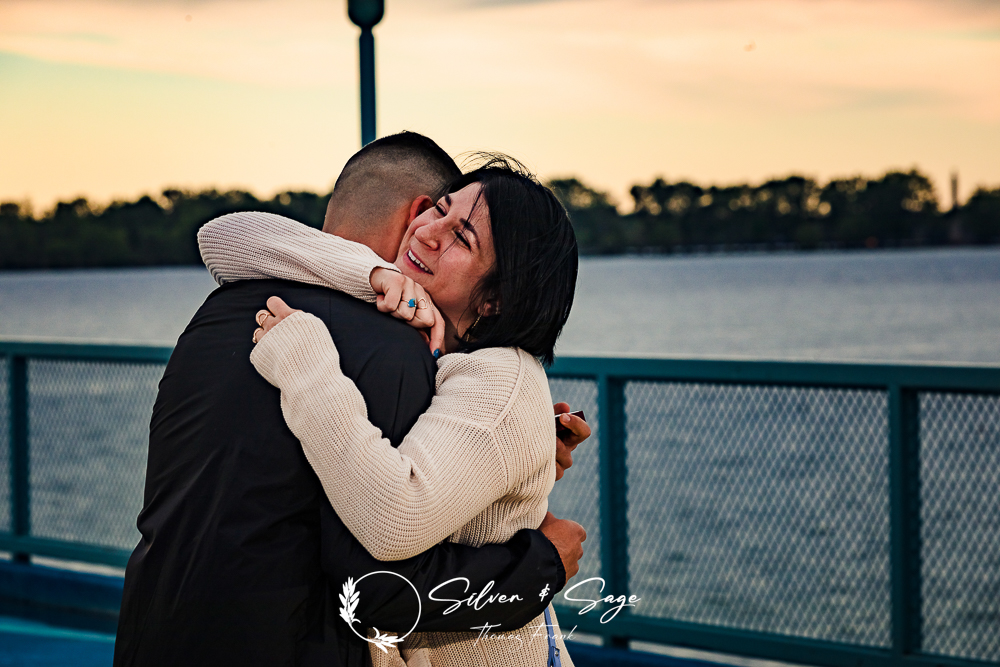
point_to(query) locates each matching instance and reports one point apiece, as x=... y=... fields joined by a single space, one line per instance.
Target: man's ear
x=418 y=206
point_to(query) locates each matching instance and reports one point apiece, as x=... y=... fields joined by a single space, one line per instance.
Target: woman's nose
x=429 y=234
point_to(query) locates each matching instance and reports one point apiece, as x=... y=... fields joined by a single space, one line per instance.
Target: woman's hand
x=577 y=431
x=407 y=301
x=277 y=310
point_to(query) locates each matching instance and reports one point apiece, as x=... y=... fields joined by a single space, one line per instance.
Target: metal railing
x=819 y=513
x=895 y=405
x=16 y=390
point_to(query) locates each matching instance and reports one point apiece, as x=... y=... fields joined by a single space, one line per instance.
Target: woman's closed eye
x=441 y=205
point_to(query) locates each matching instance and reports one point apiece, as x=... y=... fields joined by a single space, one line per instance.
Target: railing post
x=20 y=494
x=613 y=492
x=904 y=521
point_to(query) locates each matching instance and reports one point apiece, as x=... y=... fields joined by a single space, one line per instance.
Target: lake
x=916 y=305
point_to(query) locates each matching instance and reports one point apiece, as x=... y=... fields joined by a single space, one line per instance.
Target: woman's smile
x=410 y=255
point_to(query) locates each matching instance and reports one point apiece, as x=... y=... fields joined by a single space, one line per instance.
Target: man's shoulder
x=385 y=357
x=238 y=293
x=357 y=327
x=323 y=302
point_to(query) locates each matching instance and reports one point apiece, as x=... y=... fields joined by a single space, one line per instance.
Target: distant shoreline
x=895 y=210
x=731 y=253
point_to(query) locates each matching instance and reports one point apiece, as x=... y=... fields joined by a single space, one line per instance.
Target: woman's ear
x=418 y=206
x=490 y=308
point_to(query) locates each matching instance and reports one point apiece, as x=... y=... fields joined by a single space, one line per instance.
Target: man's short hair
x=386 y=174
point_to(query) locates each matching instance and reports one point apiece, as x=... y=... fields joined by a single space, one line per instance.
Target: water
x=757 y=508
x=922 y=305
x=148 y=306
x=941 y=305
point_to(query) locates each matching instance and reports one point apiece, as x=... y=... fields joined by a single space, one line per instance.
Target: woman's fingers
x=411 y=303
x=393 y=293
x=407 y=307
x=277 y=310
x=388 y=288
x=417 y=308
x=437 y=331
x=408 y=301
x=381 y=281
x=577 y=430
x=280 y=309
x=423 y=311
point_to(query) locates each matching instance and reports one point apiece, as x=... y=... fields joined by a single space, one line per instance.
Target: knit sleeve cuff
x=290 y=353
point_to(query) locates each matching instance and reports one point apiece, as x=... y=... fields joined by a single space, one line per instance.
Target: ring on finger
x=421 y=303
x=411 y=303
x=262 y=315
x=255 y=332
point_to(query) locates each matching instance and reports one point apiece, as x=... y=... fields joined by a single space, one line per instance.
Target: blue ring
x=412 y=303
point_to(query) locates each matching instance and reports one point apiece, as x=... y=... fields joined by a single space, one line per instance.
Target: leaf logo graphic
x=349 y=598
x=349 y=601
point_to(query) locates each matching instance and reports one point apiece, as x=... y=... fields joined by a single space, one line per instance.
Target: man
x=241 y=556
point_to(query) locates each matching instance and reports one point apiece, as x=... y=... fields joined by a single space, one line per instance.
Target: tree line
x=145 y=232
x=895 y=210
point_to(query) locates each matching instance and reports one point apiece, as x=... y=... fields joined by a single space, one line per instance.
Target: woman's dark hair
x=534 y=276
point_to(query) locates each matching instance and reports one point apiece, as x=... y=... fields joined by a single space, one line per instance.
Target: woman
x=499 y=257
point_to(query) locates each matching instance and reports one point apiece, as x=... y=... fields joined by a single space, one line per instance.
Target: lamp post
x=366 y=14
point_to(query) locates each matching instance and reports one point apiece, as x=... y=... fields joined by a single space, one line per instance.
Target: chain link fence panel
x=4 y=444
x=960 y=528
x=577 y=495
x=760 y=508
x=89 y=436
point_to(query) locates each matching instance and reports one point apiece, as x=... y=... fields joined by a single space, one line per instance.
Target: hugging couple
x=319 y=478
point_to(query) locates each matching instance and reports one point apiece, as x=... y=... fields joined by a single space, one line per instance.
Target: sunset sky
x=112 y=98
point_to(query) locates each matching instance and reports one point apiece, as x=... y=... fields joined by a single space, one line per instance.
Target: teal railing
x=19 y=538
x=818 y=513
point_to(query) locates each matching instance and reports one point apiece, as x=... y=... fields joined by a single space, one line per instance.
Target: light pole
x=366 y=14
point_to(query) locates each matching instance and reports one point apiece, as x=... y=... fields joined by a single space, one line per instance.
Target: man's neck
x=382 y=246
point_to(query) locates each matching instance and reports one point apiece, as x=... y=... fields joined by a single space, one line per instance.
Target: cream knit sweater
x=476 y=467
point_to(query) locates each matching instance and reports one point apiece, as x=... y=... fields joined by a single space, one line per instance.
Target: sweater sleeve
x=448 y=469
x=243 y=246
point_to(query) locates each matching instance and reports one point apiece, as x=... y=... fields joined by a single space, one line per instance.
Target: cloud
x=262 y=41
x=611 y=89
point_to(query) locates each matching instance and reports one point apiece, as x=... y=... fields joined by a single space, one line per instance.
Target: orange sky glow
x=112 y=98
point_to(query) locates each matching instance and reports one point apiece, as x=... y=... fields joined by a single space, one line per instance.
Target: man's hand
x=565 y=444
x=568 y=537
x=407 y=301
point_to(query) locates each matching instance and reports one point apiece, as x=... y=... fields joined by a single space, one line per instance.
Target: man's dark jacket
x=241 y=556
